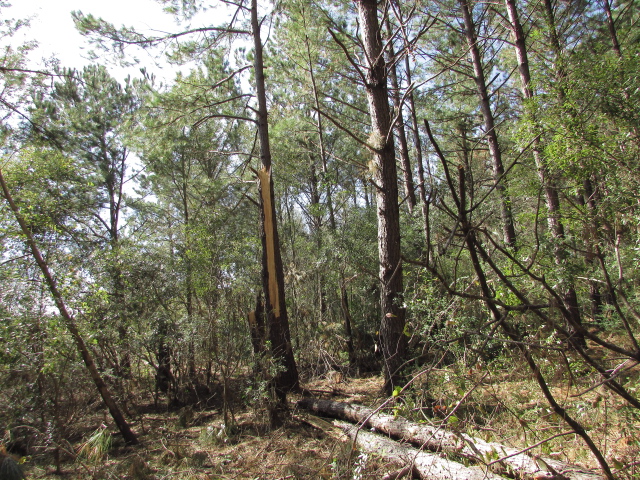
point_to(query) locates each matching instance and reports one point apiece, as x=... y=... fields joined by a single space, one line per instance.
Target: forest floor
x=500 y=406
x=192 y=444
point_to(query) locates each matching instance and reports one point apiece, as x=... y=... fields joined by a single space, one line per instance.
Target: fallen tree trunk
x=423 y=464
x=439 y=440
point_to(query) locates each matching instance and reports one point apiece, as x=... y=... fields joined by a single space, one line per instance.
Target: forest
x=344 y=227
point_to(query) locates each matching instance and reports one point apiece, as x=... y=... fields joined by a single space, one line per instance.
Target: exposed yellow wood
x=264 y=176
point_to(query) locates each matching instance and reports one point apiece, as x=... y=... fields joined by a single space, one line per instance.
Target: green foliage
x=159 y=253
x=49 y=188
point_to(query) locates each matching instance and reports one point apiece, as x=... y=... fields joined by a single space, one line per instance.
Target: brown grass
x=501 y=404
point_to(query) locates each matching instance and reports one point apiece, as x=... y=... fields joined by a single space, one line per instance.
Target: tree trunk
x=590 y=234
x=392 y=338
x=257 y=328
x=556 y=228
x=422 y=189
x=427 y=466
x=612 y=28
x=437 y=439
x=508 y=228
x=323 y=152
x=272 y=269
x=550 y=190
x=474 y=247
x=399 y=127
x=164 y=377
x=70 y=322
x=346 y=314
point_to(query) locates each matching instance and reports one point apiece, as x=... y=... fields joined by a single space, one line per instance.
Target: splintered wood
x=264 y=176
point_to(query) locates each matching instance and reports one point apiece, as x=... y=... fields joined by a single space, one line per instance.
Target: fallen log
x=438 y=439
x=425 y=465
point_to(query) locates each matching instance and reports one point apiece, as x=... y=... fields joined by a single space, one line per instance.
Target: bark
x=591 y=226
x=164 y=376
x=399 y=126
x=422 y=464
x=344 y=305
x=392 y=338
x=422 y=189
x=550 y=19
x=257 y=327
x=438 y=439
x=474 y=246
x=114 y=169
x=189 y=294
x=508 y=227
x=323 y=150
x=70 y=322
x=316 y=218
x=316 y=229
x=590 y=234
x=552 y=201
x=272 y=269
x=612 y=29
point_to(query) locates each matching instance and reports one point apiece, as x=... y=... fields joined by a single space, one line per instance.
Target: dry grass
x=204 y=449
x=501 y=403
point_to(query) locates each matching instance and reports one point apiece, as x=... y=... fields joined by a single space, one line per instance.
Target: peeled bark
x=70 y=322
x=392 y=338
x=438 y=439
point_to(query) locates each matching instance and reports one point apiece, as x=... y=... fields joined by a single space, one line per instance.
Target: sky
x=53 y=28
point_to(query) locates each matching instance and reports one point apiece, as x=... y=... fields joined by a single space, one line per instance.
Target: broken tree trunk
x=423 y=464
x=437 y=439
x=277 y=320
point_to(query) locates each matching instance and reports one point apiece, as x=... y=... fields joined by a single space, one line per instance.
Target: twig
x=531 y=447
x=616 y=372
